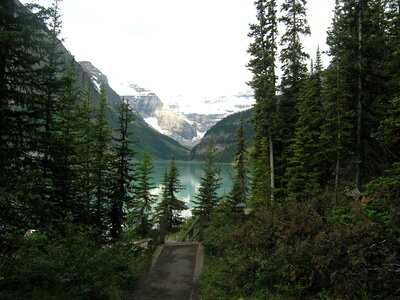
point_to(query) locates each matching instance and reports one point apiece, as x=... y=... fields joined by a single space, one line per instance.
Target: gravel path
x=171 y=277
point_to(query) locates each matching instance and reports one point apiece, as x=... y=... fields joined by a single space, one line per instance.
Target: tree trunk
x=359 y=99
x=337 y=167
x=271 y=165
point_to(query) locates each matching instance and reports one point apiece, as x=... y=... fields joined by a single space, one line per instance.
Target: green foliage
x=207 y=197
x=295 y=253
x=123 y=171
x=237 y=198
x=224 y=132
x=260 y=180
x=303 y=172
x=141 y=211
x=68 y=267
x=292 y=57
x=170 y=207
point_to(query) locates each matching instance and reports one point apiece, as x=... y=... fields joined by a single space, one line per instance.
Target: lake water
x=190 y=174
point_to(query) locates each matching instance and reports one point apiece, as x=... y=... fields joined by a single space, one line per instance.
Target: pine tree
x=337 y=130
x=170 y=207
x=54 y=81
x=85 y=157
x=122 y=188
x=207 y=196
x=294 y=71
x=389 y=136
x=357 y=46
x=305 y=157
x=101 y=159
x=292 y=58
x=238 y=194
x=263 y=51
x=141 y=210
x=65 y=175
x=21 y=39
x=260 y=188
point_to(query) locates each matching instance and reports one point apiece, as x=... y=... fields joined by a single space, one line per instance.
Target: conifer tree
x=207 y=196
x=53 y=113
x=170 y=207
x=21 y=39
x=122 y=187
x=357 y=45
x=264 y=51
x=260 y=188
x=305 y=157
x=337 y=130
x=101 y=158
x=65 y=175
x=292 y=58
x=141 y=210
x=238 y=194
x=85 y=157
x=294 y=69
x=388 y=135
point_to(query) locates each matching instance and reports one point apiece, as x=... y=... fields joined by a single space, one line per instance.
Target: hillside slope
x=158 y=145
x=224 y=137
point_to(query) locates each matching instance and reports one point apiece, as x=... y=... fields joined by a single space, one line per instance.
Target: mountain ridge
x=224 y=133
x=146 y=138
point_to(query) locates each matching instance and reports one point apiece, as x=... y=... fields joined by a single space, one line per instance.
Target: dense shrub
x=71 y=267
x=297 y=253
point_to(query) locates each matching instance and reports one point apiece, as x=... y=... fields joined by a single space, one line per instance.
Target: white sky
x=173 y=47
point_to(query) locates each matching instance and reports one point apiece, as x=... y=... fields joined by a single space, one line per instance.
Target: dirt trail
x=173 y=274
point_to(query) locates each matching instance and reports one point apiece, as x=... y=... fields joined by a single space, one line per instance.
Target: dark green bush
x=71 y=267
x=296 y=253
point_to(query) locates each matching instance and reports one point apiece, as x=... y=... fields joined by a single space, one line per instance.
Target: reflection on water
x=190 y=174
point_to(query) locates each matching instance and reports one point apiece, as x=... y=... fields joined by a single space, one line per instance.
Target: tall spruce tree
x=305 y=156
x=337 y=130
x=141 y=210
x=170 y=207
x=85 y=157
x=122 y=188
x=264 y=51
x=207 y=196
x=294 y=69
x=54 y=113
x=21 y=39
x=238 y=194
x=358 y=46
x=101 y=159
x=65 y=175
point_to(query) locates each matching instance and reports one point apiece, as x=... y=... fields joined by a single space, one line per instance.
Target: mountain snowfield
x=185 y=119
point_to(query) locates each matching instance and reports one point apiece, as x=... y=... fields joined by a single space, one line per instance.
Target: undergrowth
x=350 y=252
x=70 y=267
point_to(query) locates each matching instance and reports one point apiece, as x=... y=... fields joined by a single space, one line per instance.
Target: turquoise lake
x=190 y=174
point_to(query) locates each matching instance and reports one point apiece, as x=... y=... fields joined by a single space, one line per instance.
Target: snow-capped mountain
x=184 y=119
x=206 y=112
x=146 y=138
x=159 y=116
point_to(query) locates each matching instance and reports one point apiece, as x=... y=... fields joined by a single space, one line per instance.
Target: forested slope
x=224 y=133
x=322 y=218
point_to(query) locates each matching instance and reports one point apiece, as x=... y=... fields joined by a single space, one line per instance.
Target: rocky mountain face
x=160 y=116
x=224 y=133
x=184 y=120
x=158 y=145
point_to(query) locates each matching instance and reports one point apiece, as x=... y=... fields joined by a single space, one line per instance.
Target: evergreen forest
x=314 y=209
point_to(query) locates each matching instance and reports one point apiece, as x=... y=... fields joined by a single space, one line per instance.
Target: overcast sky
x=173 y=47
